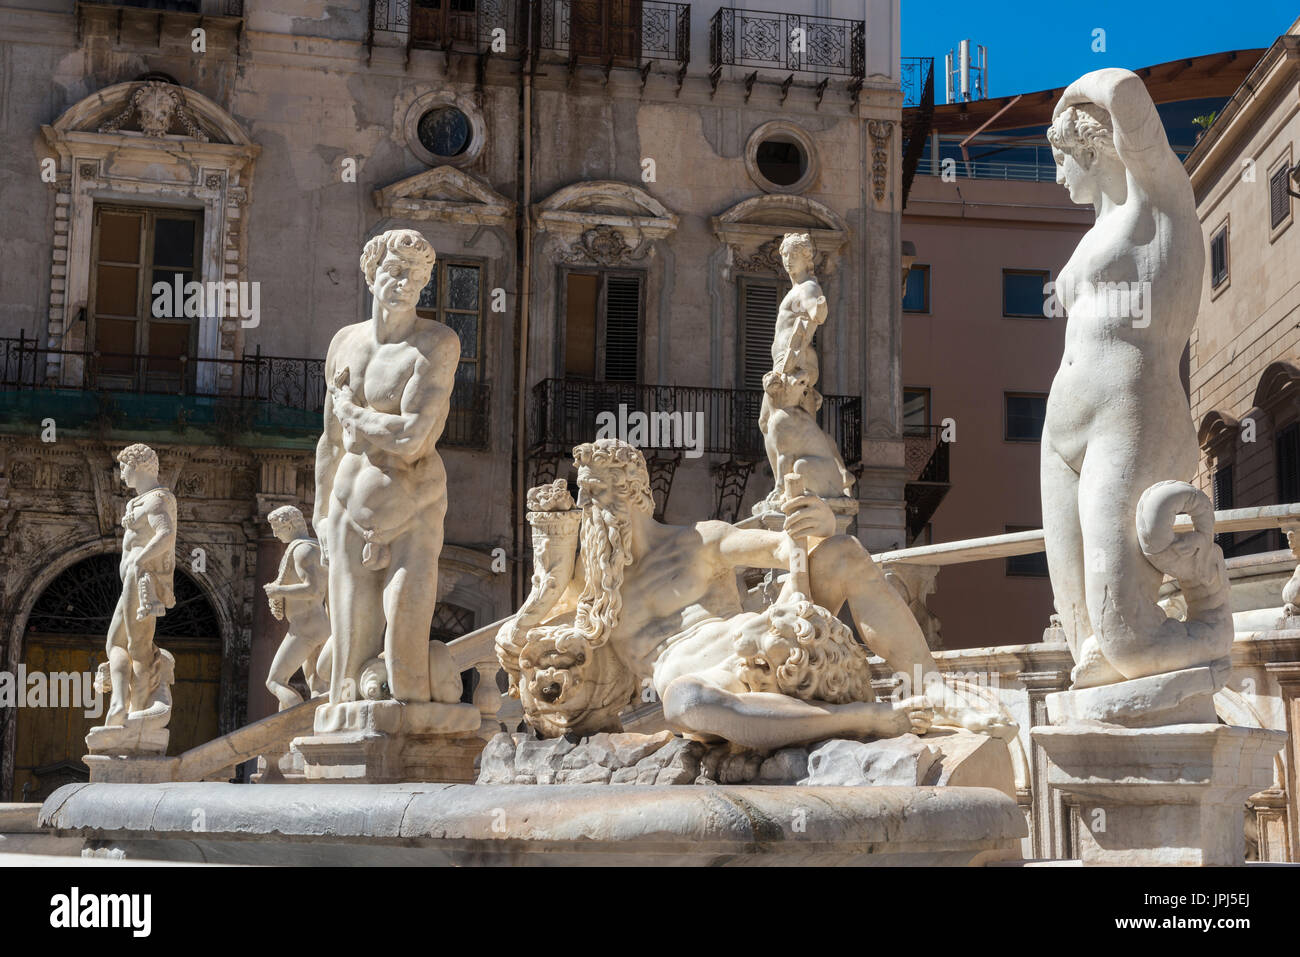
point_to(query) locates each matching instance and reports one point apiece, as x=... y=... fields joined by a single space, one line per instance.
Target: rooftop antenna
x=966 y=79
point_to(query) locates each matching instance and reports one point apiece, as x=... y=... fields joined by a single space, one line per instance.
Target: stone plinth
x=458 y=824
x=383 y=742
x=1173 y=795
x=132 y=740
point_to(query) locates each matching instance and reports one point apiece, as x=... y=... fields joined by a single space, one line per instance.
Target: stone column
x=1287 y=674
x=1050 y=817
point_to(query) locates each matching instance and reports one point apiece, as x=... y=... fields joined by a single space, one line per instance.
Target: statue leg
x=119 y=665
x=410 y=594
x=841 y=570
x=139 y=646
x=1133 y=634
x=356 y=607
x=701 y=704
x=294 y=651
x=1064 y=538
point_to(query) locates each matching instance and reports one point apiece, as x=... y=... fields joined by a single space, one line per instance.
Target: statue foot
x=115 y=717
x=1092 y=669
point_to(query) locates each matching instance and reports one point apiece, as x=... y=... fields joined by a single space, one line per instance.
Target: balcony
x=151 y=16
x=928 y=477
x=629 y=32
x=917 y=81
x=278 y=399
x=787 y=42
x=465 y=25
x=565 y=410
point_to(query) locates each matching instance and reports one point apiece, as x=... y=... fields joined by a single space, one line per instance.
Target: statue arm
x=311 y=576
x=328 y=450
x=1139 y=135
x=748 y=547
x=163 y=522
x=424 y=408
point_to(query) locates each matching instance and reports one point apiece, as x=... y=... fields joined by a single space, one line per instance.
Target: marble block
x=1176 y=697
x=1172 y=795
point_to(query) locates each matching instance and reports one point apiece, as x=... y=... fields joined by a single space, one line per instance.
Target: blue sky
x=1048 y=43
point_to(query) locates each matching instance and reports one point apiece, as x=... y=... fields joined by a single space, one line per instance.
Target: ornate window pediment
x=604 y=222
x=1217 y=430
x=160 y=144
x=753 y=229
x=1277 y=382
x=445 y=194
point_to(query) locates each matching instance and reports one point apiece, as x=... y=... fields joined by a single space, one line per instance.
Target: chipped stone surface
x=942 y=757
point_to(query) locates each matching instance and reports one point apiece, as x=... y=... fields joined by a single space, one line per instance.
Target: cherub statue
x=297 y=596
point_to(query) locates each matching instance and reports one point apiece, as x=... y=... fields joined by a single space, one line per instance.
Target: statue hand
x=808 y=515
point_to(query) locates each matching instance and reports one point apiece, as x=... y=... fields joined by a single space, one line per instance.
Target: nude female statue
x=381 y=488
x=1118 y=442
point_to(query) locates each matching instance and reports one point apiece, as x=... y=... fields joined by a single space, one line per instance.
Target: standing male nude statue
x=381 y=489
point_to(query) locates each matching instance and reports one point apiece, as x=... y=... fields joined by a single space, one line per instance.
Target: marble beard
x=137 y=673
x=651 y=605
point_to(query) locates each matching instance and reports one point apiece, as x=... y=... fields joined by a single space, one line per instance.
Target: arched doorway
x=65 y=634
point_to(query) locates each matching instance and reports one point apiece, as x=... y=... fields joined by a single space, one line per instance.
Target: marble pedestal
x=1170 y=795
x=384 y=742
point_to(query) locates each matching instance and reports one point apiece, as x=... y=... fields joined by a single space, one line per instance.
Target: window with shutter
x=1223 y=492
x=1279 y=200
x=759 y=301
x=622 y=328
x=1219 y=258
x=602 y=326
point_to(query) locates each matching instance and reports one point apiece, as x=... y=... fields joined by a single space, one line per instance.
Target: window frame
x=1046 y=275
x=1006 y=418
x=139 y=378
x=602 y=288
x=926 y=309
x=1224 y=230
x=1034 y=556
x=441 y=274
x=929 y=405
x=1281 y=168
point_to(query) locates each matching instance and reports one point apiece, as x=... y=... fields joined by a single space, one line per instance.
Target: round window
x=445 y=131
x=781 y=161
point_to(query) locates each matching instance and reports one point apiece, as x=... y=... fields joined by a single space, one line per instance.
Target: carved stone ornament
x=157 y=106
x=880 y=131
x=767 y=258
x=604 y=245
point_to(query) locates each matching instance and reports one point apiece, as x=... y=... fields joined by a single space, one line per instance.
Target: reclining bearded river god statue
x=1118 y=451
x=653 y=606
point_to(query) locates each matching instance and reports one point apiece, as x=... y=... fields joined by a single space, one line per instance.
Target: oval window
x=781 y=161
x=445 y=131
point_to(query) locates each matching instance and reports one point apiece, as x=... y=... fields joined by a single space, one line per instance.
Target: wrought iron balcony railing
x=207 y=8
x=790 y=42
x=611 y=30
x=444 y=24
x=917 y=78
x=565 y=412
x=917 y=75
x=928 y=480
x=288 y=383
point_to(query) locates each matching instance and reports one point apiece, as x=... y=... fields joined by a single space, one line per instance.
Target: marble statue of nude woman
x=1118 y=444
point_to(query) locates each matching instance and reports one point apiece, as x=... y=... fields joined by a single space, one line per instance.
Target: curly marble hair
x=798 y=242
x=139 y=456
x=625 y=464
x=409 y=244
x=1083 y=131
x=806 y=652
x=287 y=515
